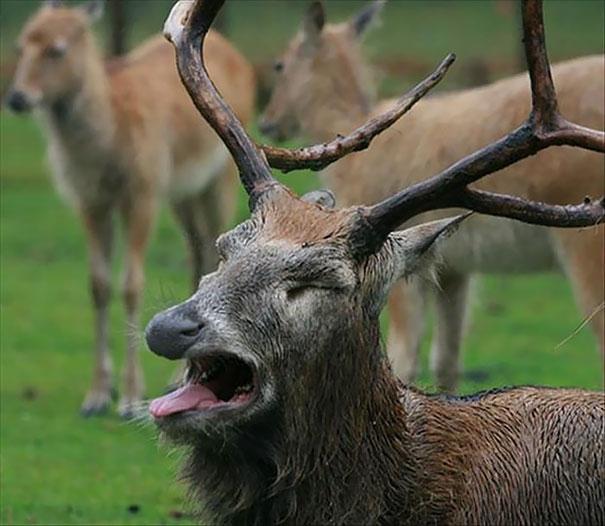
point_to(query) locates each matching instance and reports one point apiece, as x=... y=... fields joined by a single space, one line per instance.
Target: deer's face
x=51 y=51
x=319 y=62
x=288 y=281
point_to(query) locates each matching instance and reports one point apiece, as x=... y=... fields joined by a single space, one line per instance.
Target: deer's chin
x=219 y=387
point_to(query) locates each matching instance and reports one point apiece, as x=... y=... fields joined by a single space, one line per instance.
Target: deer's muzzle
x=18 y=101
x=172 y=332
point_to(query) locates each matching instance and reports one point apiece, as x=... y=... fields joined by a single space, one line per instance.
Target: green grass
x=56 y=468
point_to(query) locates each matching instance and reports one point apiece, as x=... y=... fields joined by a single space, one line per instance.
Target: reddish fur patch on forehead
x=52 y=23
x=288 y=218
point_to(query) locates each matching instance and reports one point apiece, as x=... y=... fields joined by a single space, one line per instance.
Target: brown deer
x=284 y=431
x=323 y=88
x=290 y=409
x=121 y=138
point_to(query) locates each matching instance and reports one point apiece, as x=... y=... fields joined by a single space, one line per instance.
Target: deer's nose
x=18 y=101
x=171 y=333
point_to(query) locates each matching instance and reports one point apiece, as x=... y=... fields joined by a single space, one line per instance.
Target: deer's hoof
x=96 y=403
x=129 y=409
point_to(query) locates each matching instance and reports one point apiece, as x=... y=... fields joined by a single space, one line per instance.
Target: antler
x=544 y=127
x=320 y=156
x=186 y=27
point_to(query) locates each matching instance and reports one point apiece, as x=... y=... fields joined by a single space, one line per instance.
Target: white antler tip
x=175 y=22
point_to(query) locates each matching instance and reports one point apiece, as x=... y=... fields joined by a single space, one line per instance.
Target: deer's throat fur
x=315 y=464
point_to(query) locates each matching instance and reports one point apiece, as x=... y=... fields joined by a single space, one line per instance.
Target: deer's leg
x=138 y=213
x=99 y=233
x=582 y=254
x=202 y=218
x=185 y=212
x=215 y=207
x=450 y=309
x=407 y=305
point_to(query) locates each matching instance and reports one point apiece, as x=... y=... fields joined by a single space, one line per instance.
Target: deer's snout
x=172 y=332
x=18 y=101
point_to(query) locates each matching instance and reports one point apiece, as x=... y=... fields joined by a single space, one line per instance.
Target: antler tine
x=186 y=27
x=544 y=127
x=320 y=156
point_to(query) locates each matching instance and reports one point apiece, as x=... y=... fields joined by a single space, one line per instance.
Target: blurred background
x=56 y=467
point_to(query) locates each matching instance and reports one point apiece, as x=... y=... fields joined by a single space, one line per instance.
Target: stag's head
x=287 y=327
x=52 y=50
x=320 y=61
x=296 y=296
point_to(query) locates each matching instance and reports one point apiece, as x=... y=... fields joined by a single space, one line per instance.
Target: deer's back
x=518 y=456
x=440 y=130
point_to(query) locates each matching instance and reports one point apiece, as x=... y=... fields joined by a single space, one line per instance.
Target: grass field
x=56 y=468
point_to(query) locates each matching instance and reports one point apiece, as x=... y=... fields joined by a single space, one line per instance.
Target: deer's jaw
x=222 y=390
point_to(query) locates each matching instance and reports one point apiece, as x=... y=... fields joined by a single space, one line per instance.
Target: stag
x=122 y=137
x=323 y=87
x=290 y=410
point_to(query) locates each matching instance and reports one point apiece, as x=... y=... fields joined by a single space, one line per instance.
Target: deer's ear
x=413 y=250
x=94 y=10
x=322 y=197
x=314 y=21
x=366 y=18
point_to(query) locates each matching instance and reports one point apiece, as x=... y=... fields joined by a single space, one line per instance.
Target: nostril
x=171 y=333
x=17 y=101
x=193 y=331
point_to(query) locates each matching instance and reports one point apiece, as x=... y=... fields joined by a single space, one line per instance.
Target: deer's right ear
x=322 y=197
x=314 y=21
x=413 y=250
x=367 y=17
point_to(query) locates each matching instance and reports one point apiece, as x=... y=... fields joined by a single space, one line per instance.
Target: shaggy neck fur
x=335 y=455
x=348 y=444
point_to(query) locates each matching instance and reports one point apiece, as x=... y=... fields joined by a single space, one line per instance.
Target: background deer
x=121 y=138
x=324 y=88
x=290 y=409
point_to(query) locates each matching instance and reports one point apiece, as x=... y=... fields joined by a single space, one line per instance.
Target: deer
x=323 y=87
x=122 y=138
x=290 y=411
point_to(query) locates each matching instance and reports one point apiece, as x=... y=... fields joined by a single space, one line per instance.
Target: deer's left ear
x=413 y=250
x=94 y=10
x=366 y=18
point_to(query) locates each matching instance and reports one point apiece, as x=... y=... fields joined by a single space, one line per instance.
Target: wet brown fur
x=344 y=442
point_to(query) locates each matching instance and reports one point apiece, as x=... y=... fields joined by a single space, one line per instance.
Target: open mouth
x=213 y=382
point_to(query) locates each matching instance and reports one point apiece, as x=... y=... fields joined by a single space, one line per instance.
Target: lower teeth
x=243 y=389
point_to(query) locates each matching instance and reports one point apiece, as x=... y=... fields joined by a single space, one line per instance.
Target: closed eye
x=299 y=290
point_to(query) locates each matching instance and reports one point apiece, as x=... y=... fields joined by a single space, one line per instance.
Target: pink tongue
x=190 y=396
